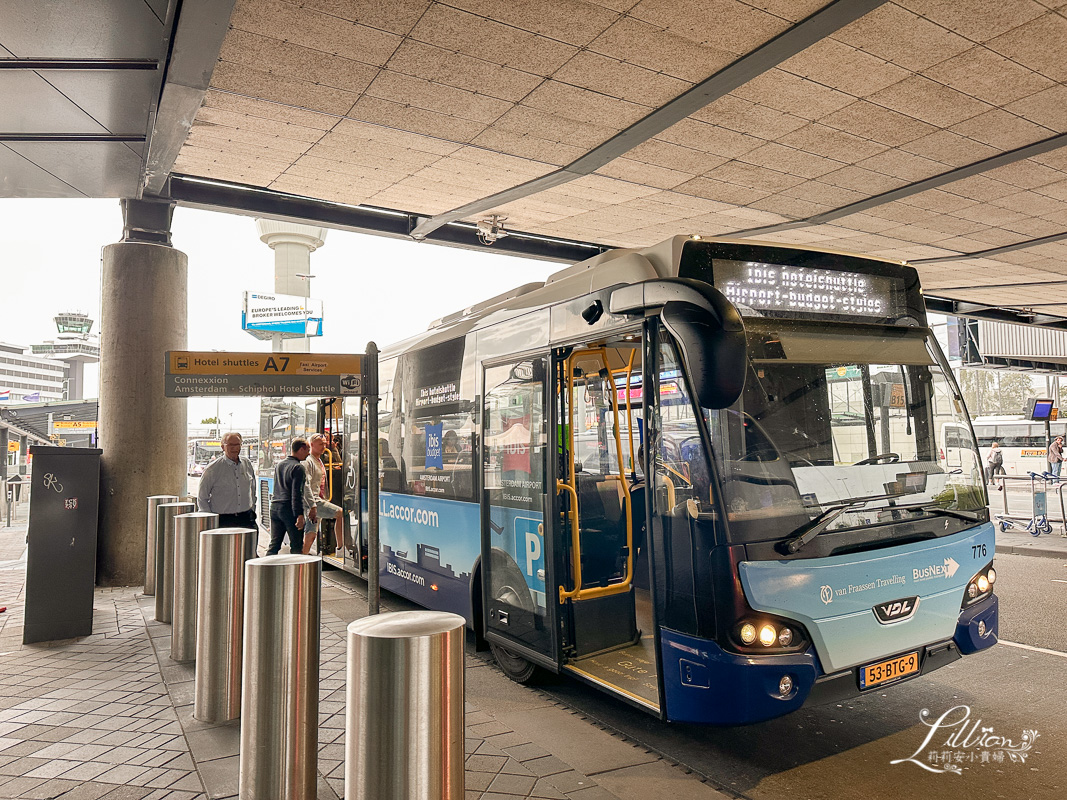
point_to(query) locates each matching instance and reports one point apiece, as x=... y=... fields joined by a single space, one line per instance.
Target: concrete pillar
x=3 y=454
x=293 y=245
x=141 y=432
x=24 y=451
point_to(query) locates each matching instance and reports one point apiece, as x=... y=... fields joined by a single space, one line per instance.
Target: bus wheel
x=507 y=585
x=514 y=666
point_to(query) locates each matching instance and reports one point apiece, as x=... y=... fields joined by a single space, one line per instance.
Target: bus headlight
x=980 y=586
x=763 y=635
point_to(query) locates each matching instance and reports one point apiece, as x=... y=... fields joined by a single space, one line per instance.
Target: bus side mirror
x=714 y=349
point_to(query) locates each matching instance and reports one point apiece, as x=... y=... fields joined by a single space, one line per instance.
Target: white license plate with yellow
x=889 y=670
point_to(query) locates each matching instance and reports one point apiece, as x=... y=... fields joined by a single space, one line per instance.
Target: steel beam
x=255 y=201
x=197 y=41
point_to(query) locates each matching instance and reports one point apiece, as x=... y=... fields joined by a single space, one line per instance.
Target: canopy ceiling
x=932 y=131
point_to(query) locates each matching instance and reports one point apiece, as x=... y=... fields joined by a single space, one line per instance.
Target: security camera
x=489 y=230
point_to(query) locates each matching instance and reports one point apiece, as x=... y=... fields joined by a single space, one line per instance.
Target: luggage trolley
x=1038 y=523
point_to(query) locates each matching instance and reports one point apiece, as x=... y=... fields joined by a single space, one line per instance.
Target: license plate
x=889 y=670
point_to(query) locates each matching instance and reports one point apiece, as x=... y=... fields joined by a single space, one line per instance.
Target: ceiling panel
x=32 y=105
x=433 y=107
x=96 y=169
x=20 y=177
x=68 y=29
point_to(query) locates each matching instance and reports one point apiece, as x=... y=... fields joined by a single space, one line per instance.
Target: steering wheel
x=888 y=458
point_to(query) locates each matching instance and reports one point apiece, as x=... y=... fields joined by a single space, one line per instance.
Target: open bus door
x=520 y=602
x=604 y=598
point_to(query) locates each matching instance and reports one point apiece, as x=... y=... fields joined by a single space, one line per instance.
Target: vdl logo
x=896 y=610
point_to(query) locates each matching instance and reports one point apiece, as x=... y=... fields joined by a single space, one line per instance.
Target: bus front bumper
x=705 y=684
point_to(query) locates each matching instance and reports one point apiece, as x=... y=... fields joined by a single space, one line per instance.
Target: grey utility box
x=61 y=543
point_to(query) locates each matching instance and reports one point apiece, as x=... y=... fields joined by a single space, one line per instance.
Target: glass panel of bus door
x=520 y=599
x=353 y=457
x=329 y=424
x=595 y=503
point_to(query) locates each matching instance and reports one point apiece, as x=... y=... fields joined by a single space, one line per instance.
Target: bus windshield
x=831 y=418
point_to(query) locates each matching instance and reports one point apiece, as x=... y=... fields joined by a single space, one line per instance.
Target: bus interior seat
x=600 y=541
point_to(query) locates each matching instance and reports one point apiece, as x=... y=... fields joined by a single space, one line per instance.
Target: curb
x=1030 y=550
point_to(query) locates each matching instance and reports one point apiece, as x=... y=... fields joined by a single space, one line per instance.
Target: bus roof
x=616 y=267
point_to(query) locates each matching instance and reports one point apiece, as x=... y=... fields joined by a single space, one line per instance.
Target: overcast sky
x=371 y=287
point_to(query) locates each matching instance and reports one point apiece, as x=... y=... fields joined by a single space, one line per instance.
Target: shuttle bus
x=1022 y=442
x=704 y=477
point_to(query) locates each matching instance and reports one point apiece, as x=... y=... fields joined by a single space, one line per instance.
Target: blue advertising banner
x=434 y=455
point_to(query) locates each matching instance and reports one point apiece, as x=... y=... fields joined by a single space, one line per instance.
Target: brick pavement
x=109 y=716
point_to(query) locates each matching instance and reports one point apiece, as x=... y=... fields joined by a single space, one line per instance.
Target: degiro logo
x=946 y=570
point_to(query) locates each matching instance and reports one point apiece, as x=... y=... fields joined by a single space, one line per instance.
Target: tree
x=995 y=391
x=211 y=421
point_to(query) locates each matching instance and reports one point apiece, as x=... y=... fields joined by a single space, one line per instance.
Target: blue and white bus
x=704 y=477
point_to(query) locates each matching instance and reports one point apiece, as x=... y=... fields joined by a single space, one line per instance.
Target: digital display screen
x=1042 y=410
x=912 y=482
x=807 y=291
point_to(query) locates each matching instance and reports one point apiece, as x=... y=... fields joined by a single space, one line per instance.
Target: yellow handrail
x=329 y=472
x=670 y=490
x=576 y=543
x=578 y=593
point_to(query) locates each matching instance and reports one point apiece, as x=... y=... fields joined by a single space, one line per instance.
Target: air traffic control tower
x=75 y=345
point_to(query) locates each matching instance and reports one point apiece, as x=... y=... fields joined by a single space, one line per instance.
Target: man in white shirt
x=227 y=488
x=315 y=492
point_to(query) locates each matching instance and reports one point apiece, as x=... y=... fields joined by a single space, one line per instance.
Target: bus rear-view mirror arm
x=707 y=327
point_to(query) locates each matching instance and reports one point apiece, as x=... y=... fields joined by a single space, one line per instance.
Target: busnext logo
x=946 y=570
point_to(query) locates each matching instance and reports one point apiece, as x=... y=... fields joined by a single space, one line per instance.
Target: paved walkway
x=109 y=716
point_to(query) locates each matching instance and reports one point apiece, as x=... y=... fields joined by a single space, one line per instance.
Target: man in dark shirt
x=287 y=504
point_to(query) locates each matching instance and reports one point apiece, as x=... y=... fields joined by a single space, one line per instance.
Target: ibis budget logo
x=945 y=570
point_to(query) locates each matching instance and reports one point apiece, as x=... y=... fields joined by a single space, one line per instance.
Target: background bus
x=1022 y=442
x=202 y=452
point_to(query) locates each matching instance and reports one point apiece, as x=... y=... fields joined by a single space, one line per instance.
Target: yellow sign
x=12 y=447
x=213 y=373
x=184 y=362
x=67 y=424
x=1033 y=453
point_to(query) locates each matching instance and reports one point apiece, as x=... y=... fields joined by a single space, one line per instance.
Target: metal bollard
x=280 y=678
x=187 y=529
x=404 y=707
x=154 y=501
x=165 y=514
x=219 y=618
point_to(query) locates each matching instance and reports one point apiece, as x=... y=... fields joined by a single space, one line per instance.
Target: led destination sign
x=803 y=291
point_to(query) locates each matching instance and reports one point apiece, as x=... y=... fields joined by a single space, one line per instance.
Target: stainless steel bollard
x=154 y=501
x=165 y=514
x=187 y=529
x=404 y=707
x=280 y=678
x=219 y=623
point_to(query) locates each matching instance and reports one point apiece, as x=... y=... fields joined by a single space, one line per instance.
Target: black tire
x=508 y=585
x=514 y=666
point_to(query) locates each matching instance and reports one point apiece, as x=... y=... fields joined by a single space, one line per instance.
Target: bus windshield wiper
x=809 y=530
x=933 y=508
